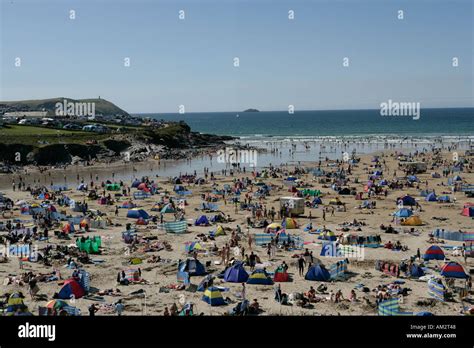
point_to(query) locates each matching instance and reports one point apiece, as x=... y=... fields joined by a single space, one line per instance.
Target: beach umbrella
x=453 y=270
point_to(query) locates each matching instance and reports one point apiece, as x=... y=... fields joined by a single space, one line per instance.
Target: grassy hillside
x=102 y=106
x=37 y=136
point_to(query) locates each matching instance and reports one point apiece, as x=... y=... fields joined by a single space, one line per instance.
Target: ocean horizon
x=433 y=122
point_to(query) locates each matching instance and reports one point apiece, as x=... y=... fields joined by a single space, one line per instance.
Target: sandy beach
x=160 y=277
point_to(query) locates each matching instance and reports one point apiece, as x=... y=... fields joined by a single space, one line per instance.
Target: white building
x=26 y=114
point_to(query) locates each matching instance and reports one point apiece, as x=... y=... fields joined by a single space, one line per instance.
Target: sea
x=311 y=136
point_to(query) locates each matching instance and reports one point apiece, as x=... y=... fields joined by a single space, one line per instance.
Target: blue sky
x=282 y=62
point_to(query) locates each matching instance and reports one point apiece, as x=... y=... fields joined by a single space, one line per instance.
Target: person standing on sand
x=324 y=214
x=119 y=307
x=301 y=264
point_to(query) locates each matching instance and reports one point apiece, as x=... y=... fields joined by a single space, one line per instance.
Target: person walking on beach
x=324 y=214
x=301 y=264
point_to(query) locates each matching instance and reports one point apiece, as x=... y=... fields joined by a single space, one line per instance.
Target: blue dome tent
x=236 y=274
x=318 y=272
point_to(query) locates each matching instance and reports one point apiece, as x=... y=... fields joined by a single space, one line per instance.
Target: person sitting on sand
x=174 y=310
x=352 y=296
x=254 y=307
x=311 y=294
x=338 y=296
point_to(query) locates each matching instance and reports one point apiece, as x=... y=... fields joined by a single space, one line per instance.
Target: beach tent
x=444 y=199
x=219 y=231
x=137 y=213
x=142 y=186
x=190 y=247
x=431 y=197
x=327 y=235
x=15 y=301
x=213 y=296
x=416 y=271
x=112 y=187
x=407 y=200
x=90 y=246
x=202 y=221
x=434 y=252
x=135 y=183
x=236 y=274
x=468 y=210
x=176 y=226
x=68 y=227
x=259 y=277
x=453 y=270
x=281 y=275
x=289 y=223
x=141 y=221
x=318 y=272
x=457 y=178
x=168 y=209
x=273 y=227
x=412 y=221
x=58 y=305
x=192 y=266
x=71 y=289
x=84 y=223
x=404 y=212
x=128 y=205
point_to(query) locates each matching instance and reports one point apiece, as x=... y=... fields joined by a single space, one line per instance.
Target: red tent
x=71 y=289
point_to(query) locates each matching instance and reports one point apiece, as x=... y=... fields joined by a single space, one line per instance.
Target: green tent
x=112 y=187
x=90 y=246
x=306 y=192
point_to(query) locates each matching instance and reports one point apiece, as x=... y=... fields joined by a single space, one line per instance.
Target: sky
x=282 y=62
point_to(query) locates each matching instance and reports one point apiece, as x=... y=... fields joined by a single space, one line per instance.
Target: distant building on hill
x=26 y=114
